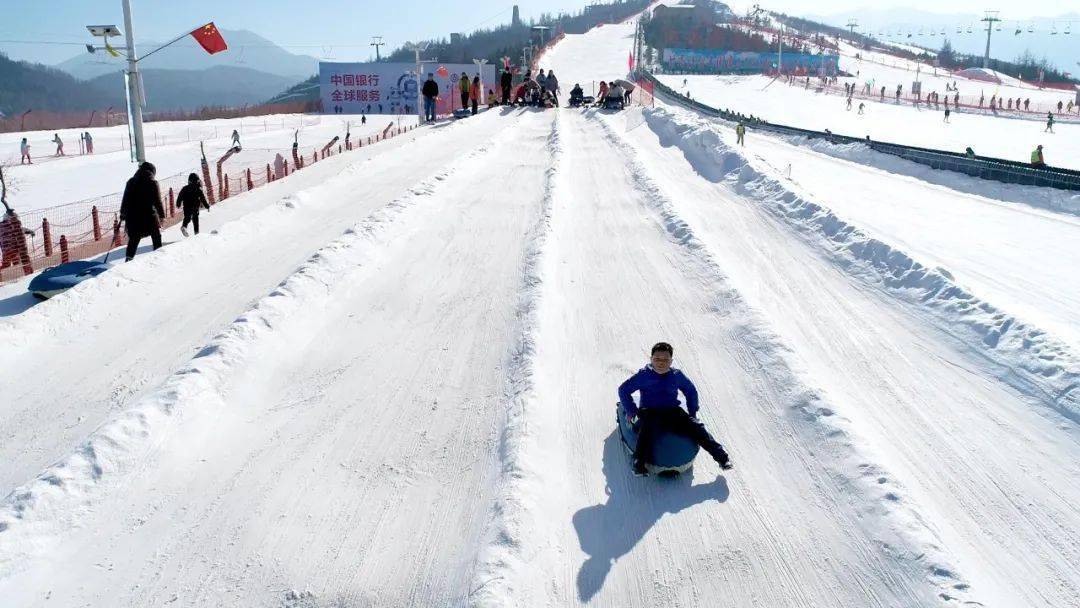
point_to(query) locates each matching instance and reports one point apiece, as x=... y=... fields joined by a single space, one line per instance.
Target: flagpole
x=134 y=87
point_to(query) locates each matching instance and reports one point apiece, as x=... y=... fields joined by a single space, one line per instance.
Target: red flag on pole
x=630 y=61
x=210 y=38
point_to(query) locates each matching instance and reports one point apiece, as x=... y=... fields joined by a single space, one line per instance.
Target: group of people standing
x=142 y=213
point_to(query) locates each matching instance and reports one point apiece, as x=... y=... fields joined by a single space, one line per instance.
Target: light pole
x=480 y=63
x=991 y=18
x=417 y=48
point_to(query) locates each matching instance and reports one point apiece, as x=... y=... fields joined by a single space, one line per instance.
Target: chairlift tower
x=991 y=18
x=377 y=41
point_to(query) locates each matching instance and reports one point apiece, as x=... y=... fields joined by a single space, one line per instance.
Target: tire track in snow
x=850 y=464
x=35 y=515
x=501 y=576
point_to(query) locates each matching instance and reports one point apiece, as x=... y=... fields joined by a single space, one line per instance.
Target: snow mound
x=1034 y=361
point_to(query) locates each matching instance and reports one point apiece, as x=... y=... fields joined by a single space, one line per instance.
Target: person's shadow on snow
x=608 y=531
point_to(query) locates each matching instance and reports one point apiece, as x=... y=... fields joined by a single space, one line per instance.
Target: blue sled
x=671 y=453
x=58 y=279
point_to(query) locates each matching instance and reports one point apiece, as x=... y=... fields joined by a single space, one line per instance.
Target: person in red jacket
x=13 y=242
x=474 y=93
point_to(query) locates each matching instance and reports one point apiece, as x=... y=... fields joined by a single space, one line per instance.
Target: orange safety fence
x=91 y=227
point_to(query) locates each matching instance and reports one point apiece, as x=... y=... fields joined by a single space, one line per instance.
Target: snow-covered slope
x=390 y=379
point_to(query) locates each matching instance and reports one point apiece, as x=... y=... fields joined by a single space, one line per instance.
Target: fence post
x=250 y=184
x=315 y=157
x=269 y=177
x=65 y=257
x=97 y=222
x=225 y=187
x=46 y=233
x=206 y=180
x=172 y=203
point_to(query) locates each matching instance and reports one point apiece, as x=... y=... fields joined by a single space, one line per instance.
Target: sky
x=344 y=30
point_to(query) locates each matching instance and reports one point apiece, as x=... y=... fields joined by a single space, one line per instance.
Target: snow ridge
x=36 y=514
x=1033 y=361
x=501 y=576
x=904 y=534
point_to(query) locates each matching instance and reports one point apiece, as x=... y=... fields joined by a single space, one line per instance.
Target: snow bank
x=1032 y=360
x=502 y=572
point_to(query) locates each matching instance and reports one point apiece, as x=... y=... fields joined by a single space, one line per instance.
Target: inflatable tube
x=59 y=279
x=671 y=453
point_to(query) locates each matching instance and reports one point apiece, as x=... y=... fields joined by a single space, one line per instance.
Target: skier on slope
x=659 y=384
x=190 y=199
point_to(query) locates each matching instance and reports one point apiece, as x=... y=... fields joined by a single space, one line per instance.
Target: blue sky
x=342 y=29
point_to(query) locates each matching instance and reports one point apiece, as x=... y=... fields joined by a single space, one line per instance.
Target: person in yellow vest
x=465 y=85
x=740 y=134
x=1037 y=159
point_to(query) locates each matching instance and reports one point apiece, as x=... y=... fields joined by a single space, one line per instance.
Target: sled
x=672 y=454
x=58 y=279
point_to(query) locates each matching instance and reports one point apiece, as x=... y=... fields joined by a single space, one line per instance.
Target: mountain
x=26 y=85
x=1058 y=49
x=221 y=85
x=246 y=50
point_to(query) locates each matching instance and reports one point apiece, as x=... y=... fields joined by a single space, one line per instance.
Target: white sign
x=392 y=88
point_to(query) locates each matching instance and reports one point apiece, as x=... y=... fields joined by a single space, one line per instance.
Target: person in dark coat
x=191 y=197
x=430 y=91
x=141 y=209
x=659 y=410
x=506 y=81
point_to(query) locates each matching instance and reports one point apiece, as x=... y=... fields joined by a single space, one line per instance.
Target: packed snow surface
x=389 y=380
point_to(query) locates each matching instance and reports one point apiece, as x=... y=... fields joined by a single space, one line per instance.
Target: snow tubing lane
x=59 y=279
x=671 y=453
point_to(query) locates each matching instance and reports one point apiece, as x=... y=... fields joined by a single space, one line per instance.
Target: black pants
x=191 y=218
x=135 y=237
x=506 y=96
x=674 y=420
x=464 y=100
x=474 y=106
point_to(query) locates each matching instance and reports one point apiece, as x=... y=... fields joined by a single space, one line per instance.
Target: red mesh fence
x=91 y=227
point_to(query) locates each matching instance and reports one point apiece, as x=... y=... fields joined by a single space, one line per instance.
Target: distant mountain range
x=246 y=50
x=1060 y=49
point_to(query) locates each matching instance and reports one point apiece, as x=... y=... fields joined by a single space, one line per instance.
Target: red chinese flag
x=209 y=38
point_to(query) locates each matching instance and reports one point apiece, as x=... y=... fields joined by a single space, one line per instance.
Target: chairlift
x=1066 y=28
x=942 y=31
x=933 y=32
x=969 y=28
x=1031 y=28
x=998 y=27
x=1053 y=29
x=959 y=29
x=1019 y=30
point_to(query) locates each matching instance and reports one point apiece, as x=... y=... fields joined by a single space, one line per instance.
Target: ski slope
x=778 y=102
x=389 y=380
x=173 y=147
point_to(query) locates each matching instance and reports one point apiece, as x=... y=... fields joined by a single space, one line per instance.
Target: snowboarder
x=740 y=134
x=430 y=91
x=24 y=152
x=1049 y=122
x=660 y=410
x=141 y=209
x=474 y=94
x=13 y=248
x=59 y=144
x=464 y=86
x=235 y=139
x=191 y=197
x=506 y=81
x=1037 y=159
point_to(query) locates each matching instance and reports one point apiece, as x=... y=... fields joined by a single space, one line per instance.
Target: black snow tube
x=671 y=453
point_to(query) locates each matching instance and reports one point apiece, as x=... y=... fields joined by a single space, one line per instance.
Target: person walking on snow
x=191 y=197
x=849 y=104
x=464 y=86
x=141 y=209
x=1049 y=122
x=59 y=144
x=505 y=82
x=474 y=93
x=24 y=152
x=430 y=91
x=235 y=139
x=946 y=113
x=659 y=385
x=740 y=134
x=89 y=142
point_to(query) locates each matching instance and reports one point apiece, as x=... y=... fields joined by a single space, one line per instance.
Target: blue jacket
x=658 y=390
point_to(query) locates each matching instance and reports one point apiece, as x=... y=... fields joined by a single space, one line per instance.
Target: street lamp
x=480 y=72
x=417 y=48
